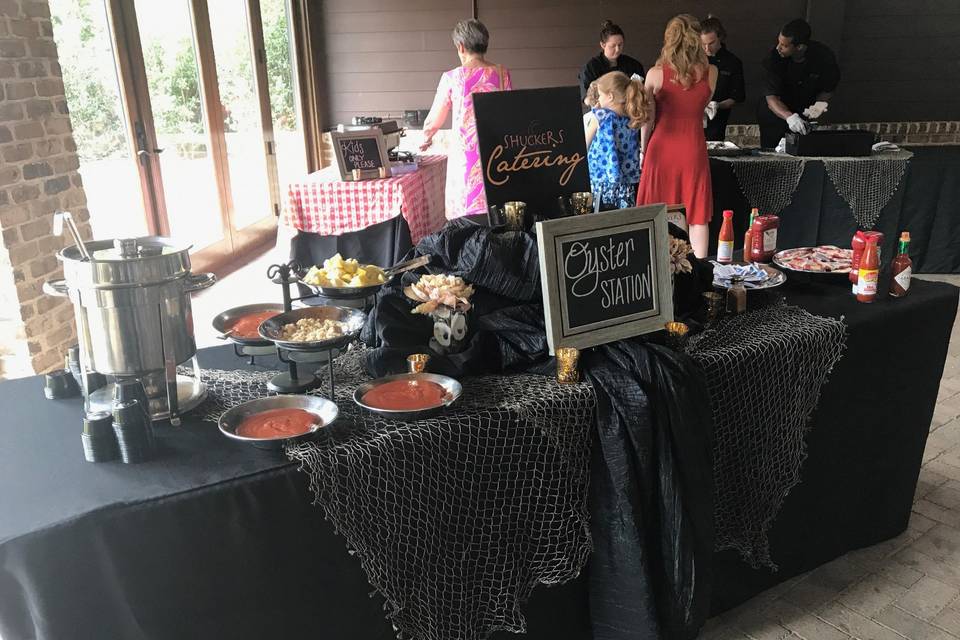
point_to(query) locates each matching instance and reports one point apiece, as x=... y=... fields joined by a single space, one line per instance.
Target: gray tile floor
x=908 y=587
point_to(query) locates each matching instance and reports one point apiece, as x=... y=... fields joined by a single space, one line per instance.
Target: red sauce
x=405 y=395
x=248 y=326
x=277 y=423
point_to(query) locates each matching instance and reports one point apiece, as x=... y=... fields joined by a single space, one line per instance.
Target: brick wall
x=38 y=175
x=908 y=133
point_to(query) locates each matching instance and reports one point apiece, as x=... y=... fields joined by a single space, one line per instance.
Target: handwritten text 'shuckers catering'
x=586 y=265
x=498 y=171
x=355 y=156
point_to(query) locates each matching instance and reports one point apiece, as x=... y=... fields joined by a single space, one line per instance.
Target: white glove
x=711 y=110
x=815 y=110
x=797 y=124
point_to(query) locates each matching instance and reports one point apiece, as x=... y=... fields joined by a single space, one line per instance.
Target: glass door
x=108 y=165
x=247 y=130
x=182 y=142
x=171 y=105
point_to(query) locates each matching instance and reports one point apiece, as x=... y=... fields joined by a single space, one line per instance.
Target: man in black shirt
x=800 y=75
x=729 y=89
x=609 y=59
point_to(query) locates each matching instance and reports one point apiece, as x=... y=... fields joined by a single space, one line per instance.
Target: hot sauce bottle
x=748 y=236
x=868 y=273
x=902 y=268
x=725 y=246
x=858 y=244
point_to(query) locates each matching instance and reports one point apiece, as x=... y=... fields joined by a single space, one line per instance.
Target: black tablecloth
x=925 y=204
x=218 y=540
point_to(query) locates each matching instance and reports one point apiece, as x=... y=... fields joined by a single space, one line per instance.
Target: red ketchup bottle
x=725 y=246
x=868 y=273
x=764 y=238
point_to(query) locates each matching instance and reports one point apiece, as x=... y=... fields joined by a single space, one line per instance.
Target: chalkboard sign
x=360 y=155
x=605 y=276
x=532 y=147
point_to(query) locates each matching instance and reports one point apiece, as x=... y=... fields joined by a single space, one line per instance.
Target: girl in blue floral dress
x=613 y=140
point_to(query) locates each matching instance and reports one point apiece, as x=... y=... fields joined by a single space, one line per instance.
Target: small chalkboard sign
x=532 y=147
x=605 y=276
x=360 y=155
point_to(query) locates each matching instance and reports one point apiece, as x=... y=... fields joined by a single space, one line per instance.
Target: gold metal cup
x=677 y=335
x=417 y=363
x=515 y=214
x=582 y=202
x=383 y=172
x=567 y=372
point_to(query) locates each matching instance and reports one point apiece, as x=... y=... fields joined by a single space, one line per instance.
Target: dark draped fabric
x=652 y=498
x=652 y=494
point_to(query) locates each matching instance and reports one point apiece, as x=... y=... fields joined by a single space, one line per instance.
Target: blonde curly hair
x=630 y=93
x=682 y=50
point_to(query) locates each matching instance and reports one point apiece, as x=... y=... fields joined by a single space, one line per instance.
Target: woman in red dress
x=675 y=165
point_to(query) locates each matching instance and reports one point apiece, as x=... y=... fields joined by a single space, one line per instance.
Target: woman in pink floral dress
x=465 y=196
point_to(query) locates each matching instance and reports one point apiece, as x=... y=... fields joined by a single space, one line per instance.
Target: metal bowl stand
x=293 y=380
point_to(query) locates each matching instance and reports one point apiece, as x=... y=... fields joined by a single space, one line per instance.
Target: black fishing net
x=764 y=371
x=454 y=518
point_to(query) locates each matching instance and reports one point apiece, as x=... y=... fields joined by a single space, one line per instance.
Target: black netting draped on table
x=651 y=507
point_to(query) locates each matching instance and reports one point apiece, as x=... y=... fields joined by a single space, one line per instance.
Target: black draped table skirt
x=216 y=539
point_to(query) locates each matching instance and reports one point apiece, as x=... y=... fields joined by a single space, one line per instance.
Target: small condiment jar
x=736 y=296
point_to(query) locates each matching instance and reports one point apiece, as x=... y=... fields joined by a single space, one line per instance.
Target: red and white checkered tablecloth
x=324 y=204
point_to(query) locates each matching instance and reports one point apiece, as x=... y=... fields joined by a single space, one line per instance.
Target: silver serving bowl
x=352 y=318
x=225 y=319
x=325 y=410
x=453 y=388
x=345 y=293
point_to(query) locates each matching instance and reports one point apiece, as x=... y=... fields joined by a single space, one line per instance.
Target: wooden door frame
x=135 y=101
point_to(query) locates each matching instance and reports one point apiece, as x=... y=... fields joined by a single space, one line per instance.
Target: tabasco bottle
x=902 y=268
x=725 y=246
x=868 y=272
x=748 y=236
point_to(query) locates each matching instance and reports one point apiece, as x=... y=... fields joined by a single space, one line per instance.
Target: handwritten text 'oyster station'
x=586 y=265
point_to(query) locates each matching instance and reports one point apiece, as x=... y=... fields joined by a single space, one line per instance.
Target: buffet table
x=917 y=194
x=216 y=538
x=375 y=221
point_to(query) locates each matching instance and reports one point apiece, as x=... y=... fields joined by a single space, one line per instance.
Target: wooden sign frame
x=373 y=132
x=551 y=236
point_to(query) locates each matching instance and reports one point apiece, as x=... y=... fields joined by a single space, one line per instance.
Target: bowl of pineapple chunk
x=344 y=278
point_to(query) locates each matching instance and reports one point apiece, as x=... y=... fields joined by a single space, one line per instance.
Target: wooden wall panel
x=901 y=60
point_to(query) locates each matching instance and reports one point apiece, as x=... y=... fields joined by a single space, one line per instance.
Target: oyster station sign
x=605 y=276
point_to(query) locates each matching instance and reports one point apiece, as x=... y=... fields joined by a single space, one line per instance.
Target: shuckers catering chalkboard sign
x=605 y=276
x=532 y=147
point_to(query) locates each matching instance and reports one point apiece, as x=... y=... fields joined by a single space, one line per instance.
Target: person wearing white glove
x=797 y=124
x=730 y=86
x=815 y=110
x=800 y=76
